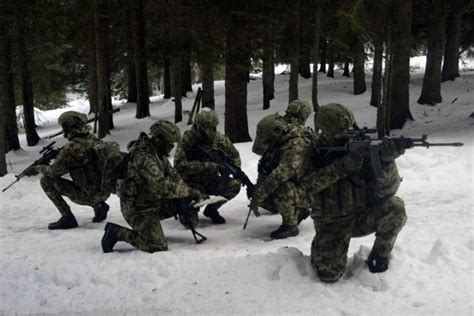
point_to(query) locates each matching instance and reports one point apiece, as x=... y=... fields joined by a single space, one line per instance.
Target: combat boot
x=110 y=237
x=303 y=214
x=285 y=231
x=211 y=212
x=65 y=222
x=100 y=212
x=377 y=263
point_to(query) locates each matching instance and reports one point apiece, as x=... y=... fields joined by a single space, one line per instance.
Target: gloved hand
x=352 y=162
x=254 y=205
x=213 y=167
x=196 y=195
x=35 y=170
x=390 y=151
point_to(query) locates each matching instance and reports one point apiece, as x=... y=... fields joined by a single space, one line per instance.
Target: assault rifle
x=48 y=153
x=374 y=146
x=183 y=209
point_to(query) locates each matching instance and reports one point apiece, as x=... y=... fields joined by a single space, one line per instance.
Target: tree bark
x=451 y=52
x=305 y=59
x=346 y=72
x=268 y=71
x=314 y=87
x=236 y=74
x=359 y=69
x=32 y=137
x=176 y=87
x=330 y=58
x=143 y=100
x=431 y=90
x=398 y=98
x=187 y=84
x=131 y=70
x=5 y=96
x=166 y=78
x=207 y=73
x=323 y=45
x=375 y=98
x=294 y=26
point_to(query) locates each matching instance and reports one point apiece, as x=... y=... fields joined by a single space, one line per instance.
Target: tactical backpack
x=111 y=164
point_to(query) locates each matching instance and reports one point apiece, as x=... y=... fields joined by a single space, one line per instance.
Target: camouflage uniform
x=350 y=202
x=146 y=194
x=285 y=148
x=77 y=159
x=195 y=168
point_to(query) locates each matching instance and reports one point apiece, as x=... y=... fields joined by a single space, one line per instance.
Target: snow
x=243 y=271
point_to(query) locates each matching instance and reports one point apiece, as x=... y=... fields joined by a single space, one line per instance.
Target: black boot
x=65 y=222
x=377 y=263
x=285 y=231
x=100 y=212
x=303 y=214
x=110 y=237
x=212 y=212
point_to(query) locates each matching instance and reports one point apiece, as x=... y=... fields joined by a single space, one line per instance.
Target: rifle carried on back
x=359 y=140
x=48 y=153
x=183 y=209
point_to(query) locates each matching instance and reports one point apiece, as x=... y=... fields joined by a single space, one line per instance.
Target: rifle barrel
x=438 y=144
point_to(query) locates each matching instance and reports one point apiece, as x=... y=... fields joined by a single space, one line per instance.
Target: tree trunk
x=330 y=57
x=346 y=72
x=314 y=87
x=176 y=87
x=323 y=44
x=101 y=55
x=359 y=70
x=375 y=98
x=207 y=71
x=131 y=70
x=93 y=90
x=398 y=98
x=166 y=78
x=5 y=97
x=451 y=51
x=236 y=74
x=305 y=58
x=187 y=84
x=143 y=100
x=431 y=90
x=32 y=137
x=268 y=71
x=9 y=106
x=294 y=26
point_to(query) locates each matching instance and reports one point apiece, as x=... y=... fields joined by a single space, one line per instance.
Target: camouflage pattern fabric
x=76 y=159
x=146 y=196
x=278 y=188
x=198 y=172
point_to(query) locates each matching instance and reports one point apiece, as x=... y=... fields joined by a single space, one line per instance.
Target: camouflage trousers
x=331 y=243
x=56 y=188
x=146 y=233
x=286 y=201
x=210 y=186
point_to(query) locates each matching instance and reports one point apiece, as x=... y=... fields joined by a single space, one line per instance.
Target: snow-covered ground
x=242 y=271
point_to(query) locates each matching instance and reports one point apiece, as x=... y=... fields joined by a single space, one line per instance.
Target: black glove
x=390 y=151
x=352 y=162
x=196 y=195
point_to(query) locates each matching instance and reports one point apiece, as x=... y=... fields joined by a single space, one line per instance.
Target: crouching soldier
x=285 y=150
x=348 y=201
x=77 y=159
x=197 y=169
x=146 y=192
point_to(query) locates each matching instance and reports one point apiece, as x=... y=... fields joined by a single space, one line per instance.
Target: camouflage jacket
x=287 y=161
x=146 y=179
x=77 y=159
x=190 y=161
x=333 y=193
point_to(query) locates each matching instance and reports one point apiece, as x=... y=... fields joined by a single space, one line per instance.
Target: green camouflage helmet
x=298 y=111
x=333 y=118
x=206 y=118
x=269 y=131
x=164 y=130
x=72 y=119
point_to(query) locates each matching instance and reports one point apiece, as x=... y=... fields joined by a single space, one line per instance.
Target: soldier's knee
x=153 y=249
x=328 y=276
x=398 y=211
x=46 y=183
x=232 y=189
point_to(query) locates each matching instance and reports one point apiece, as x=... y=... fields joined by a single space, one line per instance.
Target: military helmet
x=206 y=118
x=164 y=130
x=333 y=118
x=269 y=131
x=298 y=110
x=72 y=119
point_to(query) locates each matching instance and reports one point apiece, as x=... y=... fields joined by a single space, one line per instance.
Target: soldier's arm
x=72 y=155
x=230 y=150
x=323 y=177
x=182 y=160
x=158 y=184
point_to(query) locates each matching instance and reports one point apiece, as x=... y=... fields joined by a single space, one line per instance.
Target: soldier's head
x=270 y=130
x=332 y=122
x=73 y=124
x=164 y=134
x=206 y=122
x=298 y=111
